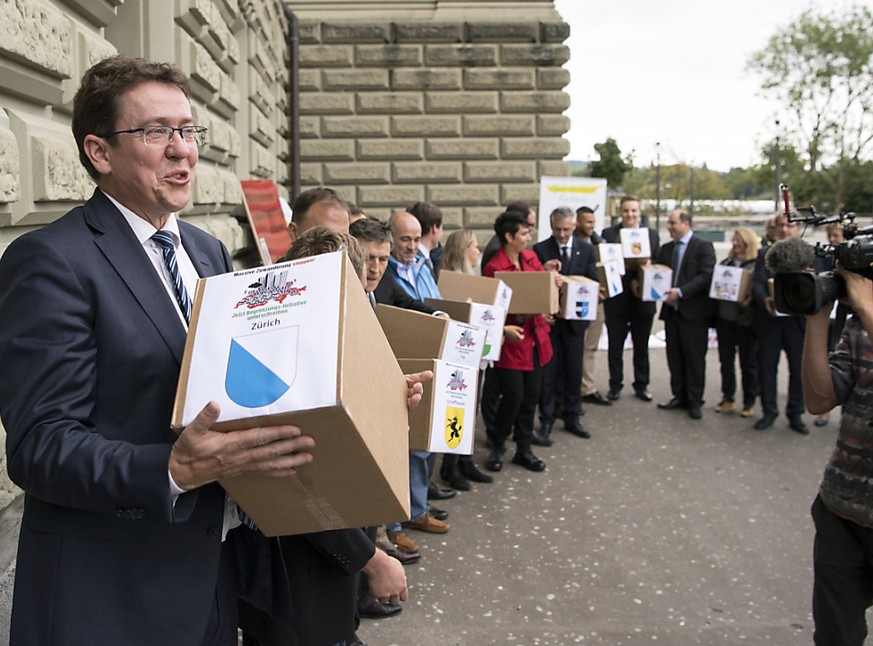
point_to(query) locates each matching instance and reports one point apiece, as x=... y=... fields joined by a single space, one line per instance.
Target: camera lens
x=800 y=294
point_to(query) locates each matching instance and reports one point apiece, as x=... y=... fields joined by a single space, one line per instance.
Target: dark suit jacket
x=581 y=263
x=695 y=276
x=390 y=293
x=91 y=347
x=626 y=304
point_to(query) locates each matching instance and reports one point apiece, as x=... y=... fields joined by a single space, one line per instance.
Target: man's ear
x=292 y=230
x=97 y=150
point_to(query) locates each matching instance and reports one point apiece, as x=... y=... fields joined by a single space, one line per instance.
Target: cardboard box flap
x=412 y=334
x=533 y=292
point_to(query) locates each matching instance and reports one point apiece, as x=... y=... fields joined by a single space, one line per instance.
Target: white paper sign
x=611 y=251
x=726 y=283
x=464 y=344
x=612 y=271
x=490 y=318
x=504 y=296
x=267 y=340
x=454 y=408
x=572 y=192
x=581 y=300
x=657 y=279
x=635 y=243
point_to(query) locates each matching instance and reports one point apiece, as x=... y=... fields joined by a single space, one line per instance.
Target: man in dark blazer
x=687 y=311
x=126 y=538
x=572 y=257
x=627 y=312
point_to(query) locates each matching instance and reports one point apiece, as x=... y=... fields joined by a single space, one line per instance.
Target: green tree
x=611 y=166
x=820 y=68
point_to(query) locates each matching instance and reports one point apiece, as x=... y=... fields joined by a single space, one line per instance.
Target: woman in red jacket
x=527 y=347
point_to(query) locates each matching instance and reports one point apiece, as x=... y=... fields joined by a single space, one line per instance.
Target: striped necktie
x=164 y=240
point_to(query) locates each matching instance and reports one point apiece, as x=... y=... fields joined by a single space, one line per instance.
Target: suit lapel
x=124 y=252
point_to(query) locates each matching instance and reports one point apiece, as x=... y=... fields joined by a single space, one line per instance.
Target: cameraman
x=843 y=509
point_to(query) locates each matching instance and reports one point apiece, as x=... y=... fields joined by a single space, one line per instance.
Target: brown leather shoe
x=405 y=558
x=427 y=523
x=402 y=541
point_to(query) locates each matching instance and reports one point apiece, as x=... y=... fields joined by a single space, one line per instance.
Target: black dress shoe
x=596 y=398
x=370 y=608
x=541 y=437
x=525 y=458
x=439 y=514
x=672 y=404
x=495 y=459
x=694 y=412
x=796 y=423
x=405 y=558
x=576 y=429
x=643 y=394
x=356 y=641
x=765 y=422
x=469 y=471
x=613 y=394
x=438 y=493
x=454 y=479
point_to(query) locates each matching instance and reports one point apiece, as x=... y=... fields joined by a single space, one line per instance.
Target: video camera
x=798 y=291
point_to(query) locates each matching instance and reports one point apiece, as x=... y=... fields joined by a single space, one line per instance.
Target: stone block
x=535 y=148
x=56 y=171
x=499 y=125
x=427 y=172
x=503 y=32
x=426 y=126
x=228 y=95
x=412 y=149
x=463 y=149
x=37 y=35
x=500 y=172
x=552 y=124
x=309 y=32
x=554 y=169
x=311 y=173
x=460 y=55
x=357 y=173
x=310 y=127
x=357 y=32
x=499 y=79
x=394 y=197
x=309 y=80
x=461 y=195
x=327 y=150
x=369 y=79
x=453 y=217
x=326 y=103
x=326 y=55
x=429 y=32
x=481 y=217
x=426 y=79
x=261 y=129
x=204 y=69
x=534 y=55
x=554 y=32
x=388 y=55
x=529 y=193
x=390 y=103
x=552 y=78
x=354 y=126
x=536 y=102
x=462 y=103
x=10 y=167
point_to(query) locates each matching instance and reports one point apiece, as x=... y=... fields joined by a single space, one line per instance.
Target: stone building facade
x=459 y=103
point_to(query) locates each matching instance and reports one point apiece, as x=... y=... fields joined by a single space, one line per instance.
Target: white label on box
x=504 y=296
x=726 y=282
x=464 y=344
x=613 y=278
x=581 y=304
x=491 y=318
x=656 y=282
x=454 y=408
x=267 y=340
x=635 y=243
x=611 y=251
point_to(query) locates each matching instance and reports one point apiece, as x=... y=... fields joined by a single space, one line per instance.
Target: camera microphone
x=789 y=256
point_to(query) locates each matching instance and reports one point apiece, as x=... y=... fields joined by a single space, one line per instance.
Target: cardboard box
x=444 y=421
x=455 y=286
x=730 y=284
x=606 y=251
x=490 y=318
x=533 y=292
x=415 y=335
x=635 y=246
x=609 y=275
x=579 y=298
x=655 y=280
x=298 y=343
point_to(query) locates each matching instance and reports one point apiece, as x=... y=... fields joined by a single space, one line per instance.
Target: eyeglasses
x=195 y=135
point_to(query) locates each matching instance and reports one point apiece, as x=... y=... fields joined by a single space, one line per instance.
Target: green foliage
x=611 y=166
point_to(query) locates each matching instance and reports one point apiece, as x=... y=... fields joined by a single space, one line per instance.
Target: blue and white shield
x=261 y=367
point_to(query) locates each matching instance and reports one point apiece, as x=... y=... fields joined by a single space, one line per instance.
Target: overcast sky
x=673 y=72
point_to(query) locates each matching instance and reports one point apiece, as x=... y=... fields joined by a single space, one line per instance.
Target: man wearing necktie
x=562 y=376
x=686 y=312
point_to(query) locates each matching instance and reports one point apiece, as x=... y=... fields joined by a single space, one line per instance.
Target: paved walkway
x=658 y=530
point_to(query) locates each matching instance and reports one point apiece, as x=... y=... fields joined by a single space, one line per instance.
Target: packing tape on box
x=318 y=506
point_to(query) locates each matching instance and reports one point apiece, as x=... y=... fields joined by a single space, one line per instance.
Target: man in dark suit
x=119 y=512
x=572 y=257
x=627 y=312
x=687 y=311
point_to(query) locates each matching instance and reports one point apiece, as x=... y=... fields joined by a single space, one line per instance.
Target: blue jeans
x=418 y=478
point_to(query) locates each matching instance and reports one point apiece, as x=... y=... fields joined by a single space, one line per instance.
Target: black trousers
x=784 y=334
x=566 y=367
x=843 y=580
x=515 y=414
x=733 y=337
x=640 y=326
x=686 y=357
x=489 y=399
